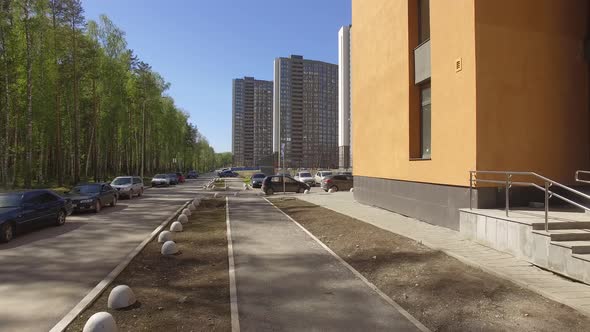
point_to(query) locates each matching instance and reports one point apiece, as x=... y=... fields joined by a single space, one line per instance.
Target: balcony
x=422 y=69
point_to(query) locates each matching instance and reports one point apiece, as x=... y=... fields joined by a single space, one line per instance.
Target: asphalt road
x=44 y=274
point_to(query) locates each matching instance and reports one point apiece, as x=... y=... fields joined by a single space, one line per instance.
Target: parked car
x=272 y=184
x=161 y=180
x=180 y=177
x=320 y=175
x=345 y=173
x=228 y=174
x=337 y=182
x=24 y=211
x=192 y=175
x=305 y=177
x=256 y=180
x=173 y=178
x=93 y=196
x=128 y=186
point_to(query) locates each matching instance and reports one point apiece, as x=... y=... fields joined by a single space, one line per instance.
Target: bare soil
x=440 y=291
x=184 y=292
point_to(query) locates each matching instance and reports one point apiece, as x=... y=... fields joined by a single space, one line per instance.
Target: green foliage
x=97 y=111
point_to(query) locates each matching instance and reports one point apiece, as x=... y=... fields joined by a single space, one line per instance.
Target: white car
x=128 y=186
x=161 y=180
x=320 y=175
x=305 y=177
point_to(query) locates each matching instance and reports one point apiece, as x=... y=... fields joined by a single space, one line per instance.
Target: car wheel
x=97 y=206
x=6 y=232
x=270 y=191
x=114 y=202
x=299 y=190
x=61 y=218
x=335 y=188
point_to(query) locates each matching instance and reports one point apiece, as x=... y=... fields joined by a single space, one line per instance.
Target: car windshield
x=258 y=176
x=121 y=181
x=304 y=175
x=87 y=189
x=326 y=173
x=160 y=176
x=10 y=200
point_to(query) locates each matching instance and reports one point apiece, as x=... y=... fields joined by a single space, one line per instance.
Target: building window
x=423 y=21
x=425 y=116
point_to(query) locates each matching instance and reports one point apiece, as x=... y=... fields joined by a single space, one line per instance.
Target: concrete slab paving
x=454 y=244
x=286 y=281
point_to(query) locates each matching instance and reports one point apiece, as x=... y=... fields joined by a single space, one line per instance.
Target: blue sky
x=199 y=46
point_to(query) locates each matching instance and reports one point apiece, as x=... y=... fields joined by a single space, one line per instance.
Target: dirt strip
x=184 y=292
x=441 y=292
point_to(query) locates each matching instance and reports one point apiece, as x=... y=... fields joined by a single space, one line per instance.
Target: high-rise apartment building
x=251 y=121
x=305 y=112
x=344 y=114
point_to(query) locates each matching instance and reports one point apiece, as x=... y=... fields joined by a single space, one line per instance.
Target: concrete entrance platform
x=286 y=281
x=455 y=244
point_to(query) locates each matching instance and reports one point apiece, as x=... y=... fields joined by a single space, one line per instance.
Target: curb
x=384 y=296
x=102 y=285
x=233 y=291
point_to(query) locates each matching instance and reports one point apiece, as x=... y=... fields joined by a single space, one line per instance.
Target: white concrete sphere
x=100 y=322
x=176 y=227
x=351 y=190
x=121 y=297
x=196 y=202
x=191 y=207
x=216 y=195
x=165 y=236
x=306 y=191
x=187 y=212
x=331 y=190
x=183 y=219
x=169 y=248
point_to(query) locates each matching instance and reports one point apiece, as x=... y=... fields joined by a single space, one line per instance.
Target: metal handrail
x=578 y=172
x=548 y=183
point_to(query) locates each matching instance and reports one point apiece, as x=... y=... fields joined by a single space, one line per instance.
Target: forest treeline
x=77 y=104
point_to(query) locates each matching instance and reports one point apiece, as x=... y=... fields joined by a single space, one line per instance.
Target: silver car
x=128 y=186
x=305 y=177
x=320 y=175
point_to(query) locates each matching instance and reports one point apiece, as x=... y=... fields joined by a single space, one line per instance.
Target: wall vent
x=458 y=65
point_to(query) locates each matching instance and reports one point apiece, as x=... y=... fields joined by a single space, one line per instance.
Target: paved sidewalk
x=286 y=281
x=573 y=294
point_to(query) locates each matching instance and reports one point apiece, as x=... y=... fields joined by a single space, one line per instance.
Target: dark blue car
x=24 y=211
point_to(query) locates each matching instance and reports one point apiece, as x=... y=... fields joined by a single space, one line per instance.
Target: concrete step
x=562 y=225
x=566 y=234
x=577 y=247
x=584 y=257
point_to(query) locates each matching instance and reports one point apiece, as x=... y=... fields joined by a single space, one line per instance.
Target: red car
x=180 y=177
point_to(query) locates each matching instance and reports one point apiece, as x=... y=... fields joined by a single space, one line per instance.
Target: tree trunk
x=29 y=138
x=143 y=140
x=7 y=106
x=76 y=108
x=58 y=152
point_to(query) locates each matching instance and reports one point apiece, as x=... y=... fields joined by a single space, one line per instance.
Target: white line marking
x=233 y=294
x=387 y=299
x=101 y=286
